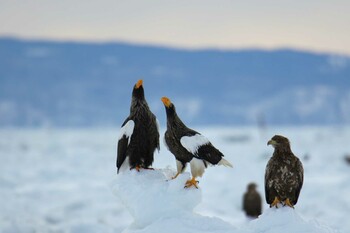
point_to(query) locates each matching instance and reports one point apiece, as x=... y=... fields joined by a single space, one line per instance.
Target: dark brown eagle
x=139 y=135
x=284 y=174
x=252 y=201
x=189 y=146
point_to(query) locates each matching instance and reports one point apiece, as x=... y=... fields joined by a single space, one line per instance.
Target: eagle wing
x=124 y=140
x=269 y=181
x=155 y=132
x=174 y=146
x=300 y=178
x=201 y=148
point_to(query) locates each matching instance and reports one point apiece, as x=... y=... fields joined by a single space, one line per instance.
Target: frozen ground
x=62 y=180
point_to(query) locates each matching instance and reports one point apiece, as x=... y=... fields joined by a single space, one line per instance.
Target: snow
x=192 y=143
x=127 y=130
x=286 y=220
x=157 y=202
x=64 y=180
x=150 y=194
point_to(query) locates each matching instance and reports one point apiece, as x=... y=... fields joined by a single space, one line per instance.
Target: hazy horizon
x=172 y=47
x=317 y=26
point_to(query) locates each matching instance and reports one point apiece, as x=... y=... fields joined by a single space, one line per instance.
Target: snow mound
x=156 y=202
x=286 y=220
x=159 y=204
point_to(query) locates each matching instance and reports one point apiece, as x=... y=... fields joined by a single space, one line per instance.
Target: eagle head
x=169 y=106
x=166 y=101
x=251 y=186
x=279 y=141
x=138 y=91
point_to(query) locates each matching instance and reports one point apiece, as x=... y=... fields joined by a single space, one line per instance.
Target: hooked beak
x=139 y=84
x=272 y=142
x=166 y=101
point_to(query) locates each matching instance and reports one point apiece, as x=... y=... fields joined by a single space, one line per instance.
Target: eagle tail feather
x=225 y=163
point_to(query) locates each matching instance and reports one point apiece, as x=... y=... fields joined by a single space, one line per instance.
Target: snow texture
x=59 y=181
x=157 y=204
x=286 y=220
x=127 y=130
x=192 y=143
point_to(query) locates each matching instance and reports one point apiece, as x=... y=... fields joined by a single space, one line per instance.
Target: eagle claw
x=191 y=182
x=275 y=203
x=288 y=203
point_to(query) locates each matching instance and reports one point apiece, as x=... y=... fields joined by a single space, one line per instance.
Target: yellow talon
x=287 y=202
x=275 y=202
x=191 y=182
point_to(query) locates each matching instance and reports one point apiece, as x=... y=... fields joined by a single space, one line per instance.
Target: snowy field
x=65 y=181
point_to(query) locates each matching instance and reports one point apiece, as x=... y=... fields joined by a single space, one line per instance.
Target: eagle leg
x=275 y=202
x=138 y=168
x=192 y=182
x=174 y=177
x=287 y=202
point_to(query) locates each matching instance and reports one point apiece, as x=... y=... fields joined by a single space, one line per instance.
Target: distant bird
x=306 y=157
x=284 y=174
x=189 y=146
x=252 y=201
x=139 y=135
x=347 y=159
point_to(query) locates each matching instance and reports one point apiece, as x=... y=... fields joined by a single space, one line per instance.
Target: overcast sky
x=316 y=25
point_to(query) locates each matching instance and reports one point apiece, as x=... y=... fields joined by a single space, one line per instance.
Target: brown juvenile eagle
x=189 y=146
x=284 y=174
x=139 y=135
x=252 y=201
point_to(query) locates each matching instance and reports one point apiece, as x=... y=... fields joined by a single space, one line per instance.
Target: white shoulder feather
x=127 y=130
x=158 y=125
x=192 y=143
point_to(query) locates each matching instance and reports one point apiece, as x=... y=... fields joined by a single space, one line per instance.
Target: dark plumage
x=252 y=201
x=189 y=146
x=347 y=159
x=284 y=174
x=139 y=136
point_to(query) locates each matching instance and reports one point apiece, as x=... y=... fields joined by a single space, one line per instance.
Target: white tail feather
x=225 y=163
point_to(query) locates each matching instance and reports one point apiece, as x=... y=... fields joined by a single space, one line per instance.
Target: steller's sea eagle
x=189 y=146
x=139 y=135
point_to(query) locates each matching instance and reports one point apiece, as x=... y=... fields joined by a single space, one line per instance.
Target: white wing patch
x=158 y=125
x=127 y=130
x=192 y=143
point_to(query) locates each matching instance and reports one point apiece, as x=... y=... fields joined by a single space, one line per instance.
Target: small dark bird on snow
x=139 y=135
x=284 y=174
x=347 y=159
x=189 y=146
x=252 y=201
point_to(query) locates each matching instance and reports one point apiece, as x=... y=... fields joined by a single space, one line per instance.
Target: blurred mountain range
x=71 y=84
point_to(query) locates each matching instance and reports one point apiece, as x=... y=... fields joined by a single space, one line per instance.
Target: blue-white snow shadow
x=286 y=220
x=160 y=204
x=157 y=202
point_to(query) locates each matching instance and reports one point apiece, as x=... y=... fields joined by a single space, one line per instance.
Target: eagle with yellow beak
x=139 y=134
x=189 y=146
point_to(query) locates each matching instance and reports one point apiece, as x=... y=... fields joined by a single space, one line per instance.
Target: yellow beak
x=166 y=101
x=139 y=83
